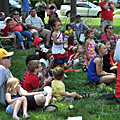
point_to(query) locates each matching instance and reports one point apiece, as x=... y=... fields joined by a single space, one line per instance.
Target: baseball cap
x=4 y=53
x=38 y=40
x=78 y=16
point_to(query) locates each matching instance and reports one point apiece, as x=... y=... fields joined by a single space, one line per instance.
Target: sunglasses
x=110 y=28
x=6 y=57
x=15 y=14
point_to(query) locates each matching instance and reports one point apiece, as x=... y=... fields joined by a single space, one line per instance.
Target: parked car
x=83 y=9
x=13 y=5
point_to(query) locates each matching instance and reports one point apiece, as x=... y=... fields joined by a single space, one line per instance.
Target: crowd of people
x=43 y=80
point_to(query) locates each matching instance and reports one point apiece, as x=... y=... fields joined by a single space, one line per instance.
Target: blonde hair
x=58 y=73
x=9 y=84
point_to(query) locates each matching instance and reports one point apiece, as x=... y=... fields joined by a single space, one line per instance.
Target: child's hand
x=65 y=42
x=44 y=72
x=48 y=80
x=51 y=61
x=44 y=93
x=114 y=68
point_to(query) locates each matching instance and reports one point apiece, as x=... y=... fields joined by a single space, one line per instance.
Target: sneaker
x=50 y=108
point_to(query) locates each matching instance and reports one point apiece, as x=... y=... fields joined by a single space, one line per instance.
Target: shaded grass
x=90 y=108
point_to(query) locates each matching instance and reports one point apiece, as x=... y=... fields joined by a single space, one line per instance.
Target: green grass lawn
x=90 y=108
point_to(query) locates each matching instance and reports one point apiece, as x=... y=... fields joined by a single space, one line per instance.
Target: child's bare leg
x=68 y=65
x=108 y=78
x=62 y=65
x=24 y=106
x=16 y=107
x=77 y=96
x=22 y=45
x=49 y=96
x=24 y=100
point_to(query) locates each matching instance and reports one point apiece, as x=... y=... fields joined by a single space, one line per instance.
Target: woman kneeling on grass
x=95 y=73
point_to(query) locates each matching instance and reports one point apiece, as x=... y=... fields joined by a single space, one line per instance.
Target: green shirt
x=40 y=8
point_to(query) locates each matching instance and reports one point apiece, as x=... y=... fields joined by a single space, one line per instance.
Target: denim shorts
x=61 y=60
x=97 y=80
x=9 y=109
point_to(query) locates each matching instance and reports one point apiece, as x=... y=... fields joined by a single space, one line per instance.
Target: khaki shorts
x=105 y=22
x=24 y=14
x=37 y=34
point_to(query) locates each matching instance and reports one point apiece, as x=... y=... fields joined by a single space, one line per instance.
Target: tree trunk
x=4 y=6
x=73 y=10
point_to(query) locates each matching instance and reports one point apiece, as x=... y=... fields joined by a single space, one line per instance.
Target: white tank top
x=58 y=48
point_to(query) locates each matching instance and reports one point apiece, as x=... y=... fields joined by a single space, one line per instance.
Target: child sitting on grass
x=29 y=58
x=111 y=39
x=112 y=62
x=106 y=58
x=38 y=43
x=47 y=62
x=32 y=81
x=69 y=31
x=58 y=87
x=95 y=74
x=74 y=50
x=15 y=100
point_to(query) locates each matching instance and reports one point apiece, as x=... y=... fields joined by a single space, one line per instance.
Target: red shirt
x=117 y=85
x=25 y=75
x=31 y=82
x=18 y=27
x=70 y=52
x=111 y=60
x=105 y=36
x=106 y=13
x=6 y=29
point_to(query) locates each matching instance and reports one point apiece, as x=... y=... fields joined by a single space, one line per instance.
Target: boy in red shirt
x=32 y=81
x=7 y=29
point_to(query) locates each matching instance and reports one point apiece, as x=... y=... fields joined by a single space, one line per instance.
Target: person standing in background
x=40 y=8
x=107 y=7
x=25 y=7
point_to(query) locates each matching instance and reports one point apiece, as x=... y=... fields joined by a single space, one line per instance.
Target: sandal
x=50 y=108
x=26 y=116
x=16 y=118
x=85 y=95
